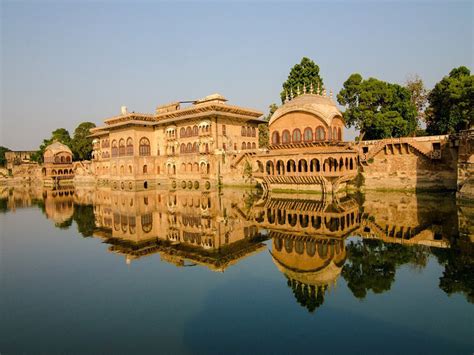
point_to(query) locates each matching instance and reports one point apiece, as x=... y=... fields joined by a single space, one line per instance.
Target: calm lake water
x=101 y=271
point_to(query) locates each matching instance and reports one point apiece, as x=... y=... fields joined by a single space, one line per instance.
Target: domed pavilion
x=306 y=150
x=57 y=164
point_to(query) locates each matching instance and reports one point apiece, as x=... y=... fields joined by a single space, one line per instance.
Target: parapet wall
x=424 y=163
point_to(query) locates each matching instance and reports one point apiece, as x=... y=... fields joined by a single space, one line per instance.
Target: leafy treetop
x=377 y=108
x=302 y=74
x=81 y=144
x=451 y=103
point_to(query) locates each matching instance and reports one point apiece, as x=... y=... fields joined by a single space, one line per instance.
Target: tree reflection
x=84 y=217
x=308 y=296
x=458 y=271
x=371 y=264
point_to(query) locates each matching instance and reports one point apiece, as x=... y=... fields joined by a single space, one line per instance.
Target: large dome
x=321 y=106
x=58 y=147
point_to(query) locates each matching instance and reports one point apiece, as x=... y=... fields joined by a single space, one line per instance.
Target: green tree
x=303 y=74
x=3 y=160
x=451 y=103
x=377 y=108
x=81 y=144
x=263 y=138
x=60 y=135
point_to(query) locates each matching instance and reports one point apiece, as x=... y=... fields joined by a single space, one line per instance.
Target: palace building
x=189 y=147
x=210 y=142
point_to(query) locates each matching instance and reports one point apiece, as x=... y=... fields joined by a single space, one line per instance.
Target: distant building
x=18 y=158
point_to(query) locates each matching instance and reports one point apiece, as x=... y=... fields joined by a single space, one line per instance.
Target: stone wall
x=28 y=173
x=465 y=173
x=411 y=165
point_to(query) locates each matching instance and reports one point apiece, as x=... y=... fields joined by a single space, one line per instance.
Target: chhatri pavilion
x=307 y=151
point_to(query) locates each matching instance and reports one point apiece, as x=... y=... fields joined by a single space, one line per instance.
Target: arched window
x=182 y=148
x=195 y=147
x=244 y=132
x=334 y=133
x=129 y=146
x=244 y=146
x=147 y=222
x=254 y=146
x=254 y=132
x=275 y=137
x=144 y=147
x=296 y=136
x=249 y=146
x=182 y=132
x=121 y=147
x=188 y=132
x=249 y=132
x=195 y=131
x=189 y=148
x=285 y=137
x=329 y=133
x=62 y=159
x=308 y=134
x=114 y=148
x=145 y=169
x=320 y=134
x=68 y=159
x=339 y=134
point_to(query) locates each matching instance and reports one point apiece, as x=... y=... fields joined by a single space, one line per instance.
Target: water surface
x=95 y=270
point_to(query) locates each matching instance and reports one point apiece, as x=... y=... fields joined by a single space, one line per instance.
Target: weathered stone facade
x=409 y=163
x=15 y=158
x=465 y=143
x=190 y=147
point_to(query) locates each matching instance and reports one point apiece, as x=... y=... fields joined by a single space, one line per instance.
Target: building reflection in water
x=185 y=228
x=314 y=241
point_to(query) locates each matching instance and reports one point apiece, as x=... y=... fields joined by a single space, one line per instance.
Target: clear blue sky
x=67 y=62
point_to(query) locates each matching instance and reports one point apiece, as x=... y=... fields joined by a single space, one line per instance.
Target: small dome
x=321 y=106
x=58 y=147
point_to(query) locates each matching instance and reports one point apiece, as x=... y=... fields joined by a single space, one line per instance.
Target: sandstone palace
x=205 y=143
x=202 y=144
